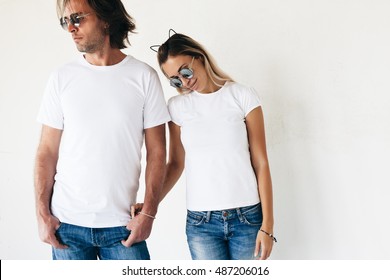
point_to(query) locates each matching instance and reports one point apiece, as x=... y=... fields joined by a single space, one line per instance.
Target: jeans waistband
x=229 y=213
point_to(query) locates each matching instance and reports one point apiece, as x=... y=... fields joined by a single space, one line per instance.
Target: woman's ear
x=201 y=58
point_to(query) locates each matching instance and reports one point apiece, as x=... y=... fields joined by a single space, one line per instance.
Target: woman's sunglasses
x=74 y=19
x=186 y=73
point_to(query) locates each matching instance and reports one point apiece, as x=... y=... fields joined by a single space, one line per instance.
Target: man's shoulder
x=139 y=64
x=66 y=66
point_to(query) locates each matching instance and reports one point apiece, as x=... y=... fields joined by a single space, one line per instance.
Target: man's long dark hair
x=119 y=22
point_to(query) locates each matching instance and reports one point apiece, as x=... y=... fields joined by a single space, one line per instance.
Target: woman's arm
x=175 y=163
x=258 y=152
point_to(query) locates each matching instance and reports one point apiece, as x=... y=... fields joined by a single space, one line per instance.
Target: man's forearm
x=45 y=169
x=154 y=178
x=155 y=167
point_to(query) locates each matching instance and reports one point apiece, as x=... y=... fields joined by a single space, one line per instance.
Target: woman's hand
x=264 y=244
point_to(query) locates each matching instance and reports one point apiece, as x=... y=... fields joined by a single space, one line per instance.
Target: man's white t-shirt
x=103 y=111
x=218 y=168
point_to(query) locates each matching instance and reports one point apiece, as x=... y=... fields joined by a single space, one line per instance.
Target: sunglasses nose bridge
x=71 y=25
x=184 y=80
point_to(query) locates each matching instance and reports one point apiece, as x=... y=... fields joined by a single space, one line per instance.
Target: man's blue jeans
x=223 y=235
x=97 y=243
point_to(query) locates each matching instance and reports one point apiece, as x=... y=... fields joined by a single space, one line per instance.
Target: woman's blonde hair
x=179 y=44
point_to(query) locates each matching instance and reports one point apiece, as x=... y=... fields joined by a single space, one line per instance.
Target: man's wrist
x=147 y=215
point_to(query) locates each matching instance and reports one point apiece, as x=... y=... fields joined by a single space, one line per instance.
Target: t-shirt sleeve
x=50 y=112
x=249 y=100
x=155 y=110
x=173 y=110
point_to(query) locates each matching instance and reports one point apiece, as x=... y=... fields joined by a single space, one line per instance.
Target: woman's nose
x=185 y=81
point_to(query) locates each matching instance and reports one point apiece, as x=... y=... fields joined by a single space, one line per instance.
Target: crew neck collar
x=86 y=63
x=214 y=93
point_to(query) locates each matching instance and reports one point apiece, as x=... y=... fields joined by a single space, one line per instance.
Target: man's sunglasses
x=186 y=73
x=74 y=19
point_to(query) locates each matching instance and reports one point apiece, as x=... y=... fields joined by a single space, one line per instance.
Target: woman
x=217 y=133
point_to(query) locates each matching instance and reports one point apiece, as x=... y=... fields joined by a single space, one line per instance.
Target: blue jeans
x=223 y=235
x=97 y=243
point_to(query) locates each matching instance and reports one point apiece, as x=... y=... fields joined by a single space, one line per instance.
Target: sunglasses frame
x=176 y=82
x=74 y=19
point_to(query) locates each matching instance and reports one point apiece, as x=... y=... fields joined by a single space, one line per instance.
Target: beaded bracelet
x=147 y=215
x=270 y=235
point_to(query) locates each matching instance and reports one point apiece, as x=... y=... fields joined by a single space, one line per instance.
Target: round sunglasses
x=186 y=73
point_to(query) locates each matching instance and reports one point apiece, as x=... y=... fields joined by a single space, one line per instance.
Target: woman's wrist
x=271 y=235
x=268 y=227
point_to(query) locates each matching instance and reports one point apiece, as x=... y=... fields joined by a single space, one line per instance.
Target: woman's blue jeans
x=97 y=243
x=223 y=235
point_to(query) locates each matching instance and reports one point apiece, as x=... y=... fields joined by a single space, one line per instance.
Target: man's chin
x=80 y=49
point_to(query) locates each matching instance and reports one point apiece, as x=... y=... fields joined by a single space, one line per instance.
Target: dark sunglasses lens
x=186 y=73
x=63 y=23
x=74 y=20
x=176 y=83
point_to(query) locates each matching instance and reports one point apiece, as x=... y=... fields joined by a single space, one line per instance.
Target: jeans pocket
x=60 y=231
x=60 y=227
x=195 y=218
x=252 y=215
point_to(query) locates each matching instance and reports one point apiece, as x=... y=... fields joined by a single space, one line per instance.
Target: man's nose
x=71 y=27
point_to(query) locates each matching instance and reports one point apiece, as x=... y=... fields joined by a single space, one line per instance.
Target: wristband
x=147 y=215
x=270 y=235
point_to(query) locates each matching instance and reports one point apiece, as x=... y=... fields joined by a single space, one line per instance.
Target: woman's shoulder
x=238 y=90
x=237 y=86
x=245 y=96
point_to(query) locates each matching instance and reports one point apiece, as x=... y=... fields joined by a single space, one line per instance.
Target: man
x=96 y=112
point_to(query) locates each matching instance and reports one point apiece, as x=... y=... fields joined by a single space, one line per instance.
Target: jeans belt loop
x=239 y=214
x=208 y=216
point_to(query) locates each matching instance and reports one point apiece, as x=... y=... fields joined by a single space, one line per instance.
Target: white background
x=322 y=69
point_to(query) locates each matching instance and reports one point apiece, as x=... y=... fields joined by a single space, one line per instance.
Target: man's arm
x=45 y=170
x=155 y=144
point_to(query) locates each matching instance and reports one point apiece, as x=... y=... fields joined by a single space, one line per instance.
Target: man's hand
x=135 y=209
x=140 y=227
x=47 y=228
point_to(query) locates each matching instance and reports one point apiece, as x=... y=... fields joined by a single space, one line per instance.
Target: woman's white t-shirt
x=218 y=167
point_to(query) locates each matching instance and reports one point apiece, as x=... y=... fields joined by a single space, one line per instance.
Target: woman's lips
x=193 y=86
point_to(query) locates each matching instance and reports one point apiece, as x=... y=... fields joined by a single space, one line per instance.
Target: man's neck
x=105 y=57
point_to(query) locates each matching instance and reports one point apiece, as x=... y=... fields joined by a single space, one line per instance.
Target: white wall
x=322 y=68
